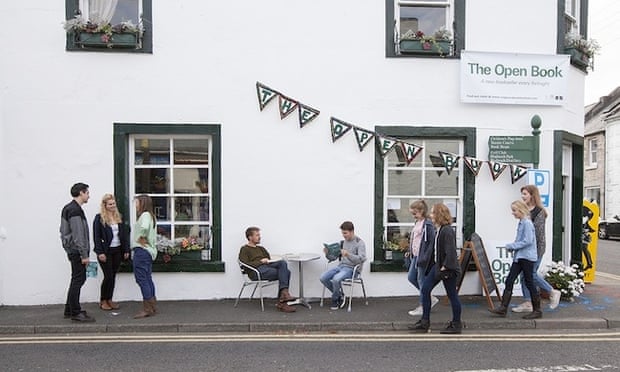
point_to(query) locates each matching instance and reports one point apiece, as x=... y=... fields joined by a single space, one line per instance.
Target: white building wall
x=298 y=186
x=612 y=176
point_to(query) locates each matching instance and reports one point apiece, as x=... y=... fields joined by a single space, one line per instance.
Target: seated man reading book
x=257 y=256
x=352 y=252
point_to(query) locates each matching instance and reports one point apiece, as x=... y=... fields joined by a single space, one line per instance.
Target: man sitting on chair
x=257 y=256
x=352 y=253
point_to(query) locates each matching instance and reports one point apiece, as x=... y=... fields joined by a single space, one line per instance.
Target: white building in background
x=174 y=112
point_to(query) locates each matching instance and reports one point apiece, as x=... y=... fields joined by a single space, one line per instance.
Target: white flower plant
x=589 y=47
x=567 y=279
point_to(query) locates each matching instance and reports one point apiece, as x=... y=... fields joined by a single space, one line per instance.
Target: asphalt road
x=608 y=256
x=533 y=351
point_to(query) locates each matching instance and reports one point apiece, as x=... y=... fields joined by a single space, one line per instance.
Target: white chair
x=257 y=283
x=356 y=278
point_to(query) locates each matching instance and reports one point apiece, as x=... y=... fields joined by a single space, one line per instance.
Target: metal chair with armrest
x=249 y=273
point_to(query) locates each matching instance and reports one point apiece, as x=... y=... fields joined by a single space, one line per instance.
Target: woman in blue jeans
x=422 y=237
x=538 y=215
x=144 y=253
x=444 y=267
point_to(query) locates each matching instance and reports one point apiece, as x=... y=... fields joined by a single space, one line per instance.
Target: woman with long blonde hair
x=111 y=246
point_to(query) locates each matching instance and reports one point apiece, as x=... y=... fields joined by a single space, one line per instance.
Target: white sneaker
x=525 y=307
x=554 y=299
x=434 y=301
x=417 y=311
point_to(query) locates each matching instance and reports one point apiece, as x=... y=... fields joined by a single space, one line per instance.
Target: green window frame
x=72 y=8
x=464 y=135
x=125 y=135
x=572 y=16
x=455 y=23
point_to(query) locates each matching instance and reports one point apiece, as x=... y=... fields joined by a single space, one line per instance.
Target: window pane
x=161 y=208
x=126 y=10
x=152 y=180
x=404 y=182
x=191 y=180
x=152 y=151
x=420 y=18
x=398 y=210
x=441 y=183
x=196 y=236
x=164 y=230
x=432 y=148
x=192 y=208
x=191 y=151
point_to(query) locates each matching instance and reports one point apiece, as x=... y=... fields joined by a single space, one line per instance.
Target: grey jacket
x=74 y=230
x=357 y=252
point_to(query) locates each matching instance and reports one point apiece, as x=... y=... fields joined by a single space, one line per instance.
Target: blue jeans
x=143 y=272
x=539 y=282
x=415 y=275
x=450 y=285
x=332 y=280
x=276 y=271
x=520 y=266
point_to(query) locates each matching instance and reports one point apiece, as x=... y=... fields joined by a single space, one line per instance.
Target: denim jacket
x=524 y=246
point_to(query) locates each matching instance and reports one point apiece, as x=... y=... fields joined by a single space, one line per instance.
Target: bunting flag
x=437 y=162
x=410 y=151
x=385 y=145
x=517 y=172
x=473 y=164
x=265 y=95
x=496 y=169
x=363 y=137
x=306 y=114
x=287 y=105
x=339 y=128
x=449 y=160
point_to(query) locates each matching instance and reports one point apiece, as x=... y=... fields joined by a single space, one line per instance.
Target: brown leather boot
x=153 y=305
x=285 y=296
x=145 y=312
x=113 y=305
x=103 y=305
x=285 y=308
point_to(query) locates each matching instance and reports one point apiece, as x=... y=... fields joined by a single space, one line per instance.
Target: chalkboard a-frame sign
x=475 y=249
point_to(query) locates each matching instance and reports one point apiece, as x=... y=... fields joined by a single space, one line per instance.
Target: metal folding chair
x=248 y=272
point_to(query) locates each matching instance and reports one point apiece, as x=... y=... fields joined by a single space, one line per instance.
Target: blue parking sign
x=542 y=180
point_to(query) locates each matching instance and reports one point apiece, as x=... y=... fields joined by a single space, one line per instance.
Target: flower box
x=102 y=40
x=578 y=57
x=420 y=47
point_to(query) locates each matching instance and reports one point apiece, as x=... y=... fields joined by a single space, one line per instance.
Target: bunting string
x=384 y=144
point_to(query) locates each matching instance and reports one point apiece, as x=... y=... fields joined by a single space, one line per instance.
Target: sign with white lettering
x=511 y=149
x=511 y=78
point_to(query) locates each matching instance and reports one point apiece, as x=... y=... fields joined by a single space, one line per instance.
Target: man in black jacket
x=75 y=241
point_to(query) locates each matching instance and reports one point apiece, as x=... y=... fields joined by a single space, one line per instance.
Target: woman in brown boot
x=144 y=253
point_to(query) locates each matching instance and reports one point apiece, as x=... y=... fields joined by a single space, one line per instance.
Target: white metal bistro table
x=300 y=258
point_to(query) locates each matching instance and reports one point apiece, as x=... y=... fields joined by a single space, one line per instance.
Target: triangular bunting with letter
x=410 y=151
x=496 y=169
x=517 y=172
x=385 y=145
x=339 y=128
x=363 y=137
x=473 y=164
x=306 y=114
x=265 y=95
x=449 y=160
x=287 y=105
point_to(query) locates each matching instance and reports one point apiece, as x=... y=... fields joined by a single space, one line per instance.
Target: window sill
x=578 y=58
x=387 y=266
x=183 y=262
x=415 y=47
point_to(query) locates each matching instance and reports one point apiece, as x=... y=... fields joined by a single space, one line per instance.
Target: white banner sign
x=516 y=79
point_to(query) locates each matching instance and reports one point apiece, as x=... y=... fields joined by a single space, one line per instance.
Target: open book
x=333 y=250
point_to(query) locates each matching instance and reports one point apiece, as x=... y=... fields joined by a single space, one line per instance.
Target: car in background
x=609 y=228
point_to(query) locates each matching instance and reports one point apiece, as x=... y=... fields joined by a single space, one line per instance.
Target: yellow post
x=588 y=248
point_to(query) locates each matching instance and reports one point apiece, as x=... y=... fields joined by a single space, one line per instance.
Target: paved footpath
x=597 y=308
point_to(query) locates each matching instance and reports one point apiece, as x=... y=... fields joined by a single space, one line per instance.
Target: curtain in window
x=100 y=12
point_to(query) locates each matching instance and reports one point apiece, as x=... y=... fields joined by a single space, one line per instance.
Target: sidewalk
x=597 y=308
